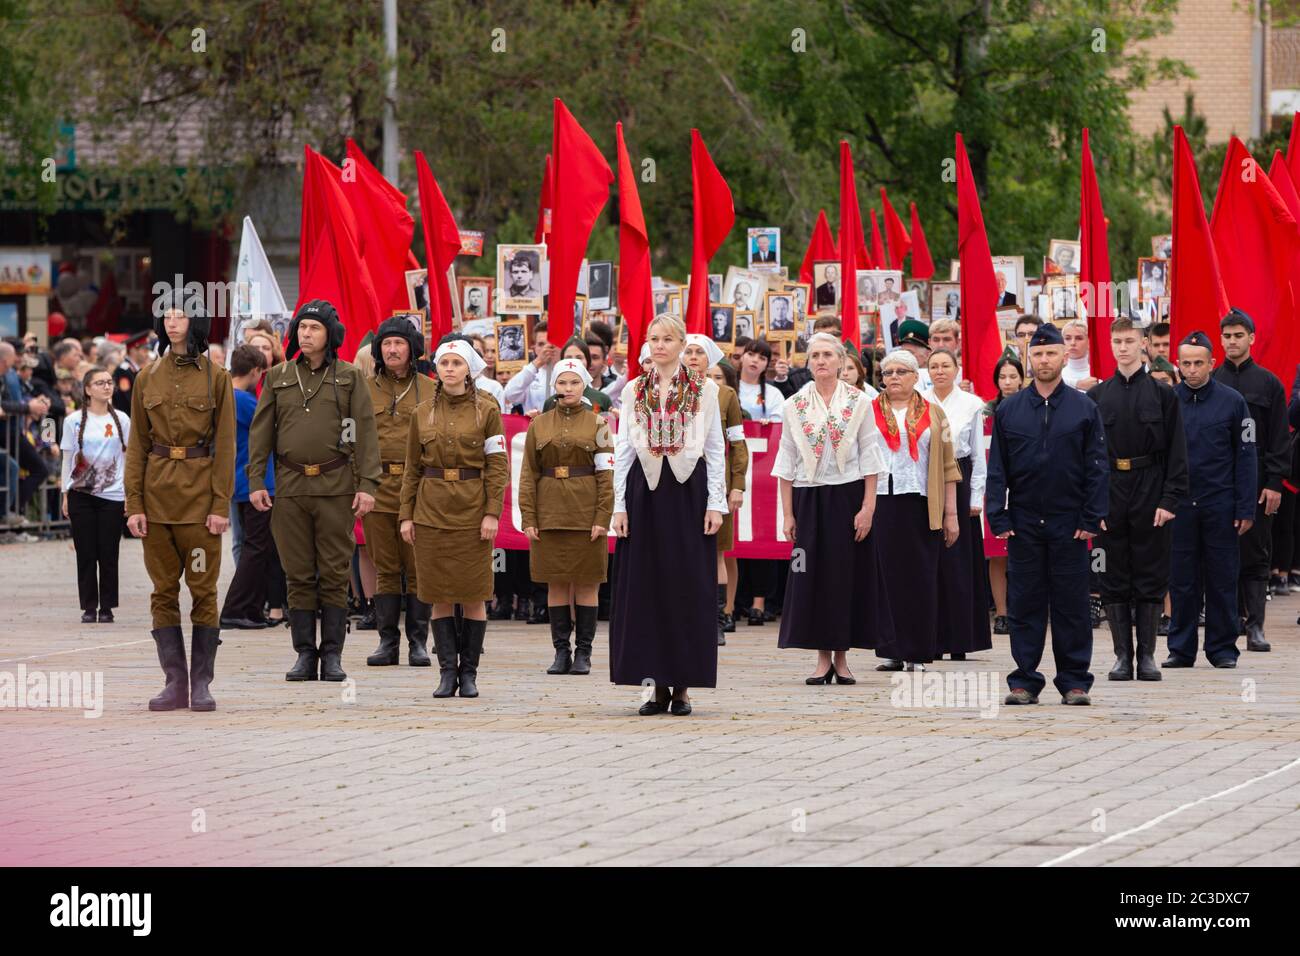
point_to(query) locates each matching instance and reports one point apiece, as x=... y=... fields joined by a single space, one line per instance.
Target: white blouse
x=909 y=477
x=103 y=459
x=966 y=423
x=749 y=401
x=862 y=457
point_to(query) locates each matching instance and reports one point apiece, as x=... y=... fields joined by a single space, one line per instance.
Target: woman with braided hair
x=94 y=461
x=453 y=486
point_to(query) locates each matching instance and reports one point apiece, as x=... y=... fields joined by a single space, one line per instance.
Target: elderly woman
x=964 y=601
x=916 y=511
x=663 y=629
x=827 y=464
x=452 y=493
x=566 y=494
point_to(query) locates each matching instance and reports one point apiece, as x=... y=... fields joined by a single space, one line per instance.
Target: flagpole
x=390 y=92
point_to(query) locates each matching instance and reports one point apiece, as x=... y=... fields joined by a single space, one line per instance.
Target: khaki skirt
x=568 y=557
x=727 y=533
x=453 y=567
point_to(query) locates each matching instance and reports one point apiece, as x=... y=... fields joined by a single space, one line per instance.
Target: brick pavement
x=560 y=770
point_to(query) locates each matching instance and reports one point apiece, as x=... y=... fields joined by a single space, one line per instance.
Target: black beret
x=1046 y=334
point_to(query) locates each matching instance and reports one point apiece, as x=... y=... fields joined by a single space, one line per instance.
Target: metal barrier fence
x=42 y=516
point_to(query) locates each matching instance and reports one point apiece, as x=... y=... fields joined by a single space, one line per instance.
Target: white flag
x=257 y=294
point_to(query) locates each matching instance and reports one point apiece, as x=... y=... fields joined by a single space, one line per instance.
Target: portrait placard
x=722 y=323
x=764 y=246
x=512 y=344
x=826 y=286
x=520 y=288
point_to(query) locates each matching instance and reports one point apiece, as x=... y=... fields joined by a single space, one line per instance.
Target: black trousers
x=513 y=581
x=1133 y=561
x=257 y=559
x=1284 y=534
x=1047 y=577
x=96 y=535
x=1256 y=546
x=30 y=460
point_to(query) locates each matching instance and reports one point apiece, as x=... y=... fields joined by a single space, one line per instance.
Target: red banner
x=758 y=522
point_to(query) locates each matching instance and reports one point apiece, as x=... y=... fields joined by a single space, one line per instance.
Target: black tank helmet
x=402 y=329
x=326 y=315
x=192 y=306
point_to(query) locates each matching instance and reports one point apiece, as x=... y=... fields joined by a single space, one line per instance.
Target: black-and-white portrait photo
x=417 y=289
x=511 y=345
x=1153 y=278
x=780 y=312
x=475 y=297
x=600 y=280
x=715 y=286
x=722 y=323
x=519 y=277
x=826 y=285
x=744 y=324
x=1063 y=256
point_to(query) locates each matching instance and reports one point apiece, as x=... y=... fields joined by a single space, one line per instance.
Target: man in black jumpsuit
x=1148 y=476
x=1266 y=400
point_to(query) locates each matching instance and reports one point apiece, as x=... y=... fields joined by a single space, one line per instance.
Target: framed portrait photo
x=781 y=312
x=580 y=305
x=512 y=344
x=600 y=285
x=1062 y=257
x=1153 y=278
x=782 y=342
x=1062 y=299
x=744 y=289
x=417 y=320
x=945 y=300
x=1009 y=271
x=802 y=292
x=745 y=323
x=764 y=247
x=475 y=296
x=520 y=284
x=1162 y=247
x=802 y=333
x=722 y=323
x=417 y=289
x=715 y=286
x=879 y=289
x=826 y=286
x=922 y=289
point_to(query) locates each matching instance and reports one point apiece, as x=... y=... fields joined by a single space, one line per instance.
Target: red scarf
x=917 y=420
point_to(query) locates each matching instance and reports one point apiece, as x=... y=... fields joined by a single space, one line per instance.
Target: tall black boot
x=444 y=645
x=333 y=632
x=584 y=638
x=417 y=631
x=561 y=628
x=302 y=627
x=1255 y=592
x=171 y=655
x=722 y=614
x=203 y=658
x=387 y=609
x=1121 y=633
x=1148 y=623
x=472 y=634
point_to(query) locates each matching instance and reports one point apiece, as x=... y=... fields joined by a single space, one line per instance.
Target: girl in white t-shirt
x=94 y=462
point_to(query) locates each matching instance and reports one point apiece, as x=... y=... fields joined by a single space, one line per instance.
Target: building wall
x=1213 y=37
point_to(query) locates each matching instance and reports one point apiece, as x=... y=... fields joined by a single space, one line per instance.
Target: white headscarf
x=465 y=351
x=645 y=355
x=710 y=347
x=576 y=366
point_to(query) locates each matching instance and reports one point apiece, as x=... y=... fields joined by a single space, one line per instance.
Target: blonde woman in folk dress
x=700 y=355
x=663 y=629
x=566 y=495
x=452 y=488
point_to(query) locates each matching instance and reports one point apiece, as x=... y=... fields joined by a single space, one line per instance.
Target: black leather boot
x=1121 y=634
x=1148 y=624
x=561 y=628
x=417 y=631
x=333 y=632
x=171 y=655
x=203 y=658
x=302 y=627
x=387 y=609
x=472 y=634
x=444 y=645
x=722 y=614
x=1255 y=597
x=585 y=637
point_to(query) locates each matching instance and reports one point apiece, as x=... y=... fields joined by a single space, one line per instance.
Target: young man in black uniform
x=1266 y=400
x=1147 y=450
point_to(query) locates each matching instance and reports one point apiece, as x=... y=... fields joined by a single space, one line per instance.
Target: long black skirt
x=909 y=553
x=835 y=587
x=963 y=604
x=664 y=621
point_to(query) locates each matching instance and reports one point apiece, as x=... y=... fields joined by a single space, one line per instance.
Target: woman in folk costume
x=663 y=629
x=964 y=599
x=453 y=484
x=916 y=511
x=566 y=495
x=827 y=463
x=700 y=355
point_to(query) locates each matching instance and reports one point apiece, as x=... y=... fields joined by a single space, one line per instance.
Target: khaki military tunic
x=181 y=402
x=565 y=509
x=394 y=400
x=454 y=431
x=733 y=427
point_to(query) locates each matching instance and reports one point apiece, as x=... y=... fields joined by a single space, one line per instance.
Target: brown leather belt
x=453 y=474
x=312 y=471
x=179 y=452
x=394 y=467
x=569 y=471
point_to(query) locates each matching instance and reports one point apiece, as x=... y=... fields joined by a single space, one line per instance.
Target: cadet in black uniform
x=1148 y=477
x=1266 y=400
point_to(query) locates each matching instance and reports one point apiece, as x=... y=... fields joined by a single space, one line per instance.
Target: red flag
x=895 y=232
x=385 y=226
x=544 y=203
x=981 y=341
x=441 y=246
x=634 y=297
x=851 y=248
x=1293 y=149
x=1284 y=184
x=1257 y=242
x=878 y=257
x=820 y=247
x=714 y=216
x=922 y=264
x=335 y=269
x=1094 y=268
x=580 y=189
x=1197 y=299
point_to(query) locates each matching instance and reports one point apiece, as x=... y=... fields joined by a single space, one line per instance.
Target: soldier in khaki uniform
x=395 y=389
x=180 y=474
x=452 y=494
x=566 y=497
x=315 y=416
x=700 y=355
